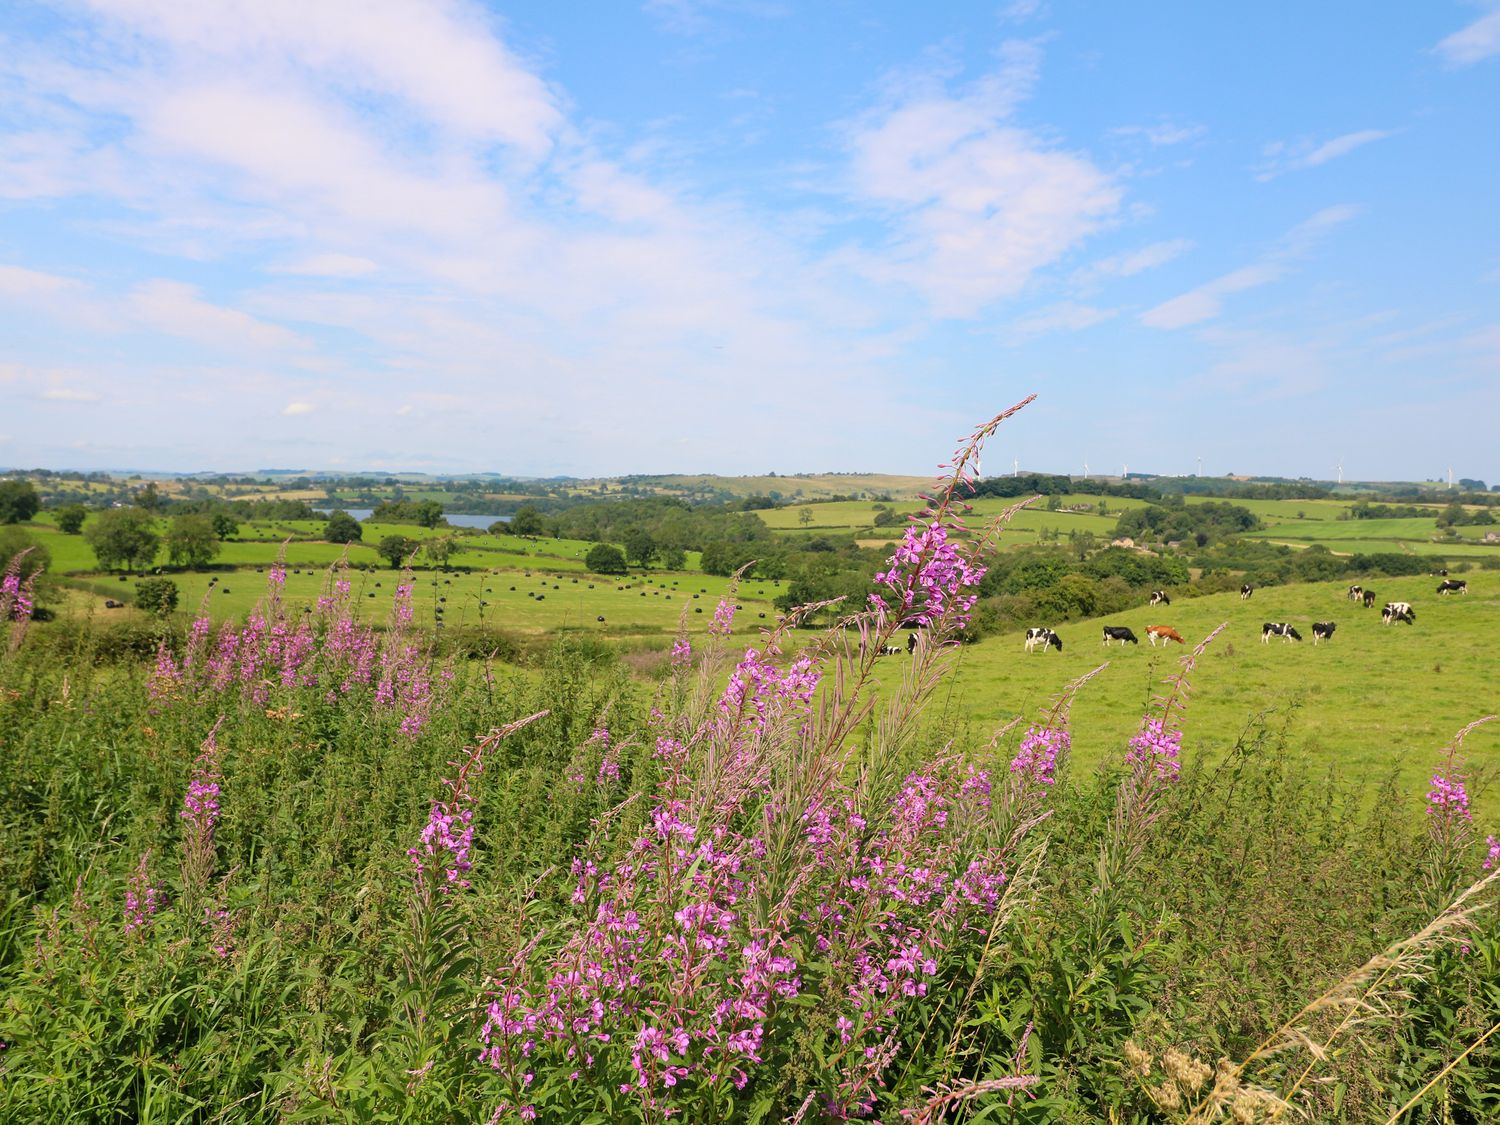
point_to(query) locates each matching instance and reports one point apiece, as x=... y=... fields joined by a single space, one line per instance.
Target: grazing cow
x=1439 y=574
x=1356 y=592
x=1159 y=597
x=1398 y=611
x=1045 y=638
x=1278 y=629
x=1246 y=590
x=1453 y=586
x=1323 y=631
x=911 y=643
x=1165 y=632
x=888 y=650
x=1120 y=633
x=110 y=603
x=1369 y=598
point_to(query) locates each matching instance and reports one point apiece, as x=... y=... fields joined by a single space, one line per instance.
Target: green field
x=1373 y=700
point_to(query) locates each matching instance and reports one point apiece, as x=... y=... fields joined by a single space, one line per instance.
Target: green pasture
x=1374 y=700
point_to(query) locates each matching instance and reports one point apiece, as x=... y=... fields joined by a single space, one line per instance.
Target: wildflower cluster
x=200 y=815
x=1155 y=748
x=328 y=651
x=1448 y=799
x=1035 y=762
x=926 y=574
x=681 y=971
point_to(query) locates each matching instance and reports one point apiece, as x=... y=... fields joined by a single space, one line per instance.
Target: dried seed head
x=1242 y=1112
x=1166 y=1095
x=1137 y=1060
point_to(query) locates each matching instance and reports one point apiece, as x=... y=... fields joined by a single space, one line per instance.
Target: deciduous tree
x=123 y=537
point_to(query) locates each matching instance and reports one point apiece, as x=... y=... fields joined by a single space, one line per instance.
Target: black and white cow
x=1368 y=597
x=1453 y=586
x=1398 y=611
x=1323 y=631
x=1159 y=597
x=1356 y=592
x=1278 y=629
x=1046 y=638
x=1120 y=633
x=1246 y=590
x=888 y=650
x=1439 y=574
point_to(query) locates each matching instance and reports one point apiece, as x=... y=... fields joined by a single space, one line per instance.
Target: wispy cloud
x=1066 y=316
x=1163 y=133
x=69 y=394
x=980 y=204
x=1281 y=157
x=1133 y=262
x=1474 y=43
x=296 y=409
x=1206 y=302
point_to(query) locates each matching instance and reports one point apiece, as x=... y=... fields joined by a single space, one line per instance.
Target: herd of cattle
x=1041 y=638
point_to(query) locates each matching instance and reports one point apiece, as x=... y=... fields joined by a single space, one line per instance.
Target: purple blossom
x=142 y=897
x=723 y=618
x=1448 y=799
x=926 y=578
x=1494 y=852
x=1156 y=748
x=1036 y=760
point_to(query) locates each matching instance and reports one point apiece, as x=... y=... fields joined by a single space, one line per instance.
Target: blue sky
x=749 y=235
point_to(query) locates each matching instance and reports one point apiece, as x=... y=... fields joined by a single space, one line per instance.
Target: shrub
x=156 y=595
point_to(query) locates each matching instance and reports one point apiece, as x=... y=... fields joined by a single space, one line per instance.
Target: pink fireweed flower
x=1494 y=852
x=1156 y=748
x=200 y=814
x=1036 y=760
x=445 y=844
x=759 y=692
x=166 y=676
x=142 y=897
x=682 y=652
x=1449 y=799
x=15 y=598
x=277 y=578
x=723 y=618
x=927 y=575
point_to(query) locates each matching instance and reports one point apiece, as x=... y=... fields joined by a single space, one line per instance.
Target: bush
x=70 y=519
x=156 y=595
x=343 y=528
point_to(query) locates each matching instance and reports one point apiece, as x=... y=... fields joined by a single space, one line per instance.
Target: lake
x=457 y=519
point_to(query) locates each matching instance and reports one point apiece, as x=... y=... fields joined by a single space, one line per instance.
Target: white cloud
x=295 y=409
x=177 y=309
x=1207 y=301
x=1137 y=261
x=980 y=205
x=1474 y=43
x=1283 y=158
x=1067 y=316
x=69 y=394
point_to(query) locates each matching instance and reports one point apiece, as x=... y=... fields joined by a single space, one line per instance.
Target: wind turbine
x=1450 y=478
x=1015 y=468
x=1341 y=470
x=1200 y=466
x=1085 y=469
x=1124 y=471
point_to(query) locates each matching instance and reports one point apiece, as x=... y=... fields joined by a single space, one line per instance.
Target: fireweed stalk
x=1450 y=824
x=17 y=600
x=777 y=906
x=200 y=816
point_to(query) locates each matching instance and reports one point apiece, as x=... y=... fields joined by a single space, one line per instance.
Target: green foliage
x=191 y=541
x=640 y=548
x=439 y=549
x=18 y=501
x=225 y=525
x=396 y=549
x=343 y=528
x=14 y=540
x=70 y=519
x=605 y=559
x=156 y=595
x=425 y=513
x=527 y=521
x=123 y=537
